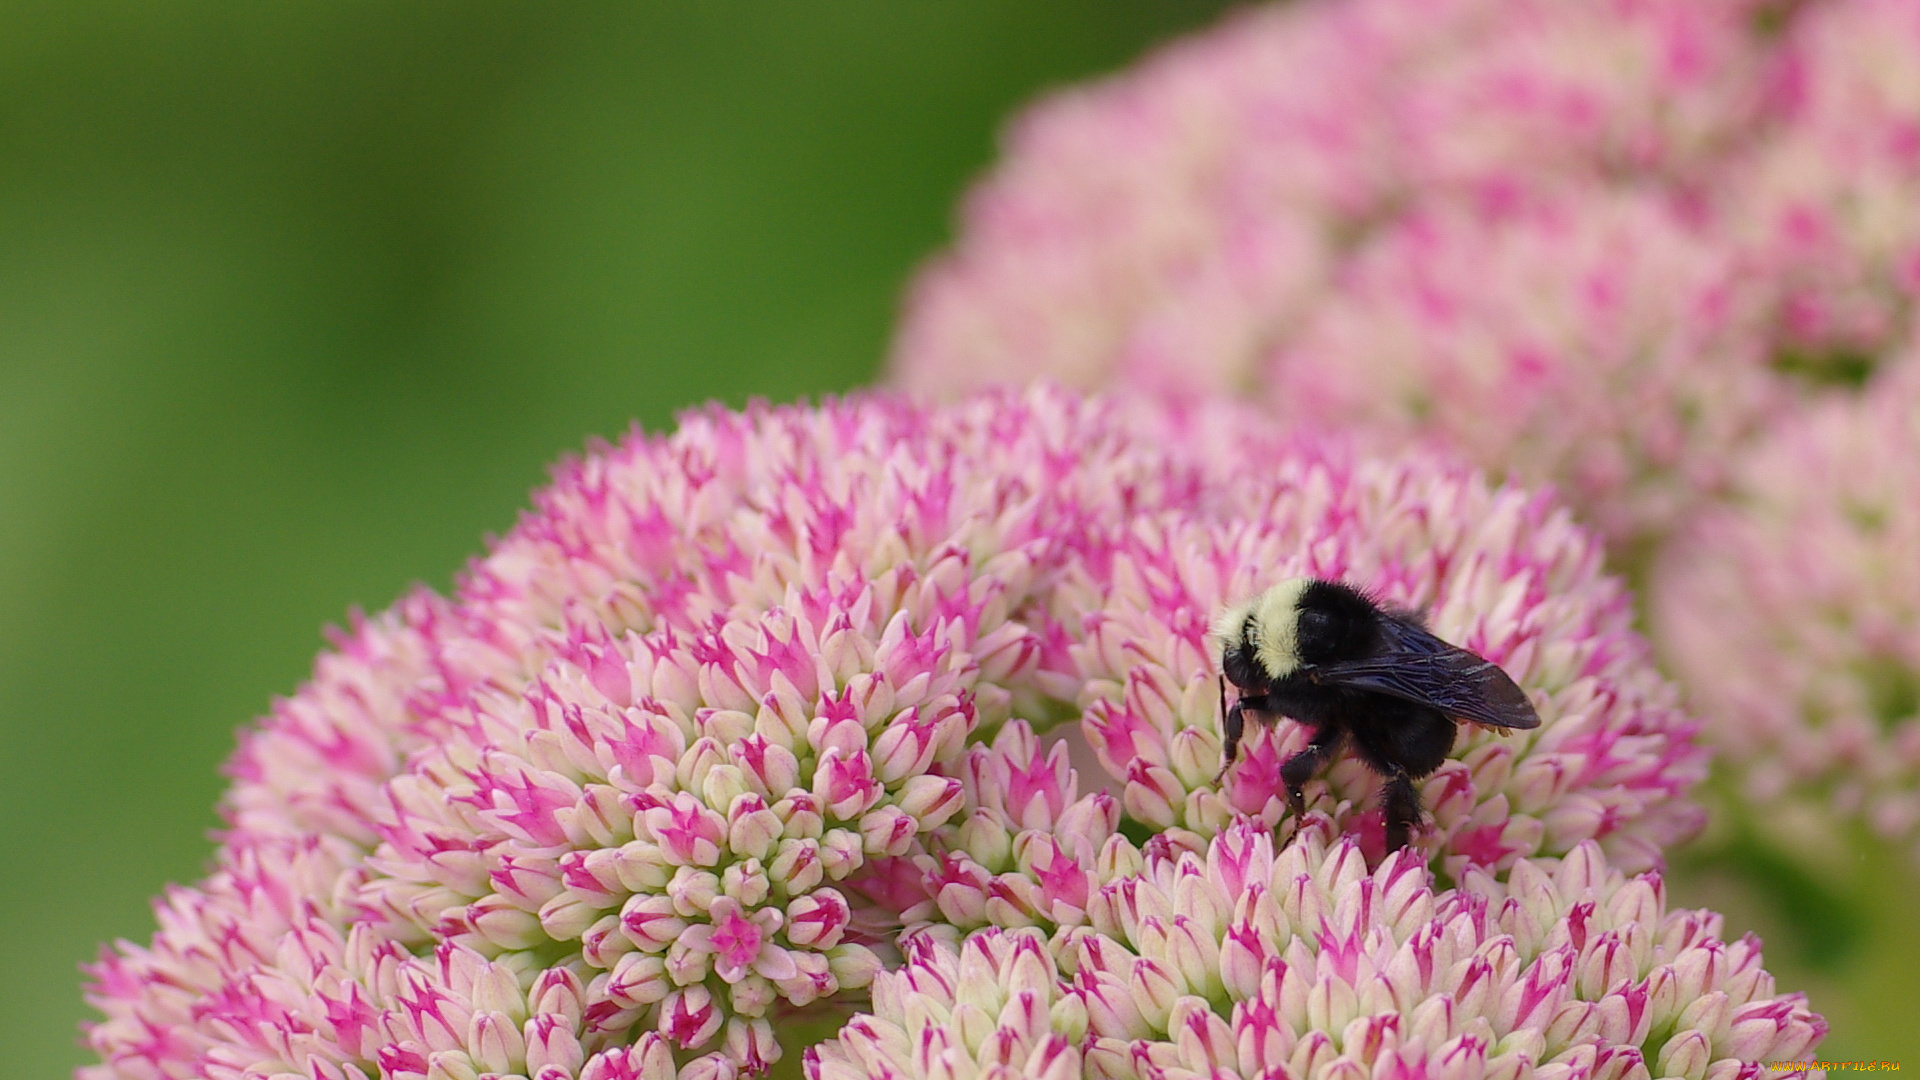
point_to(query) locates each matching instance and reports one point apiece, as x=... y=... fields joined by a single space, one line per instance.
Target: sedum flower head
x=1794 y=614
x=731 y=707
x=1601 y=244
x=1824 y=202
x=1240 y=960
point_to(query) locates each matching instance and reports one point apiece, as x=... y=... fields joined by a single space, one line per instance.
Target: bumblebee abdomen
x=1298 y=699
x=1395 y=734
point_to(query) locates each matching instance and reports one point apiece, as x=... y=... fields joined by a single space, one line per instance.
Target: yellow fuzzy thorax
x=1274 y=631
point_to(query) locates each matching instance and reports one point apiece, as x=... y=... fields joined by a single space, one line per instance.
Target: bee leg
x=1400 y=801
x=1234 y=726
x=1304 y=764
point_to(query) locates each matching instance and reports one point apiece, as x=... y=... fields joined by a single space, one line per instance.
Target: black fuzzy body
x=1390 y=735
x=1367 y=677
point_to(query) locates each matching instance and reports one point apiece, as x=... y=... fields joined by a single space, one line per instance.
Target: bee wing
x=1421 y=668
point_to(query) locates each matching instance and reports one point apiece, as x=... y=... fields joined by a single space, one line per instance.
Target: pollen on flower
x=1247 y=959
x=733 y=707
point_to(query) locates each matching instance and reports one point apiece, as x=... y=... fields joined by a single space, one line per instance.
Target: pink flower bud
x=812 y=979
x=647 y=1059
x=565 y=918
x=690 y=772
x=693 y=891
x=752 y=1045
x=817 y=920
x=558 y=992
x=845 y=785
x=1686 y=1054
x=689 y=1017
x=1112 y=1009
x=605 y=942
x=642 y=867
x=852 y=966
x=931 y=800
x=1572 y=1022
x=960 y=892
x=1053 y=1059
x=801 y=813
x=752 y=996
x=1152 y=794
x=1154 y=989
x=796 y=866
x=551 y=1043
x=770 y=768
x=503 y=925
x=593 y=875
x=528 y=882
x=904 y=749
x=451 y=1065
x=639 y=979
x=1608 y=963
x=1312 y=1054
x=841 y=852
x=1802 y=1033
x=687 y=832
x=494 y=1042
x=887 y=831
x=651 y=922
x=1755 y=1028
x=690 y=959
x=746 y=883
x=1699 y=970
x=986 y=840
x=1194 y=757
x=1194 y=954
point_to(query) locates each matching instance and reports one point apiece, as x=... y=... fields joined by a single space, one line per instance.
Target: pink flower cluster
x=1239 y=960
x=731 y=707
x=1614 y=246
x=1600 y=244
x=1795 y=615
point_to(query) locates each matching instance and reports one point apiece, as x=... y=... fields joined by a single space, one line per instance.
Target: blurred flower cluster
x=1631 y=248
x=739 y=717
x=1809 y=586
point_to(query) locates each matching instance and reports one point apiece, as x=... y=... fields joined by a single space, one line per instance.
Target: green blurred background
x=298 y=300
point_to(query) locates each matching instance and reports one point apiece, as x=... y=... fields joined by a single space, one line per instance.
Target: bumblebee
x=1324 y=654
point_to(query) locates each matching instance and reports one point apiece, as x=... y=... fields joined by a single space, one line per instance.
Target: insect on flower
x=1325 y=655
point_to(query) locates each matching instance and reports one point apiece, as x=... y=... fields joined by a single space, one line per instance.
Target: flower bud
x=852 y=966
x=752 y=828
x=817 y=920
x=841 y=852
x=693 y=891
x=689 y=1017
x=796 y=867
x=494 y=1042
x=639 y=979
x=1686 y=1054
x=887 y=831
x=550 y=1043
x=746 y=883
x=651 y=922
x=931 y=800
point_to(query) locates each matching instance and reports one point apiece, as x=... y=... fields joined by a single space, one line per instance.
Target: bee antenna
x=1223 y=697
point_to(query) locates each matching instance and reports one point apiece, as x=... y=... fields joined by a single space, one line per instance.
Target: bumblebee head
x=1297 y=623
x=1259 y=639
